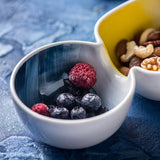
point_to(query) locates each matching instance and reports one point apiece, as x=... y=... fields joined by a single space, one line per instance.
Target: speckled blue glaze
x=26 y=25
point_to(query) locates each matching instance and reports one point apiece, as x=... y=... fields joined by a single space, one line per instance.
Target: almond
x=135 y=61
x=121 y=48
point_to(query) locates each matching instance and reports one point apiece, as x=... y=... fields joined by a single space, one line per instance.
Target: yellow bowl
x=124 y=21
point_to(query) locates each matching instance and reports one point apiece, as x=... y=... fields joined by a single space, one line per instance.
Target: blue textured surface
x=26 y=25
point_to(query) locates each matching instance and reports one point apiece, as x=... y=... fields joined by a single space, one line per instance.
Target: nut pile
x=144 y=52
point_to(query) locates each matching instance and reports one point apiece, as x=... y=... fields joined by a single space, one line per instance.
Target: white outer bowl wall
x=71 y=134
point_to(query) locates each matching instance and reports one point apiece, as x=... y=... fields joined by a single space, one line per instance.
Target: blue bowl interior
x=41 y=75
x=39 y=79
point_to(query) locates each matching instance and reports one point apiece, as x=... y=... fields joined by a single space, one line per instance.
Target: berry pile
x=78 y=100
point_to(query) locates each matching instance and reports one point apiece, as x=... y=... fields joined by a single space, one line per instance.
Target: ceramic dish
x=46 y=65
x=124 y=22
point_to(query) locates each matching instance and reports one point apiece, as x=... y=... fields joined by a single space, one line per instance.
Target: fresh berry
x=91 y=101
x=83 y=75
x=59 y=112
x=78 y=113
x=41 y=109
x=66 y=100
x=101 y=110
x=71 y=88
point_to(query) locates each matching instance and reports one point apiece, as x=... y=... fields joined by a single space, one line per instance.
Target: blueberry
x=91 y=101
x=66 y=100
x=101 y=110
x=78 y=113
x=50 y=107
x=59 y=112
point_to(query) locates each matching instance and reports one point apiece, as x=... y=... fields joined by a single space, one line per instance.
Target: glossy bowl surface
x=43 y=68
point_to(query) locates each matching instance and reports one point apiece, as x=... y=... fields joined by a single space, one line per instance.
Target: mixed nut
x=144 y=52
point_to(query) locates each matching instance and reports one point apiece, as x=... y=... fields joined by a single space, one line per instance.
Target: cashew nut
x=143 y=52
x=144 y=35
x=130 y=52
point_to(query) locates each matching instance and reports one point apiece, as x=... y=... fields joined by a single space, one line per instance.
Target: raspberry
x=83 y=75
x=41 y=109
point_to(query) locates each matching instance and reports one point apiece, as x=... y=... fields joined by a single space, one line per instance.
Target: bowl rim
x=96 y=33
x=26 y=109
x=99 y=40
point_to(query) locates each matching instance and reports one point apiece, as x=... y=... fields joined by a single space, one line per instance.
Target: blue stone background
x=26 y=25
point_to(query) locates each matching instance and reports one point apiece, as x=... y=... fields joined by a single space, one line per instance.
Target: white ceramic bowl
x=46 y=65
